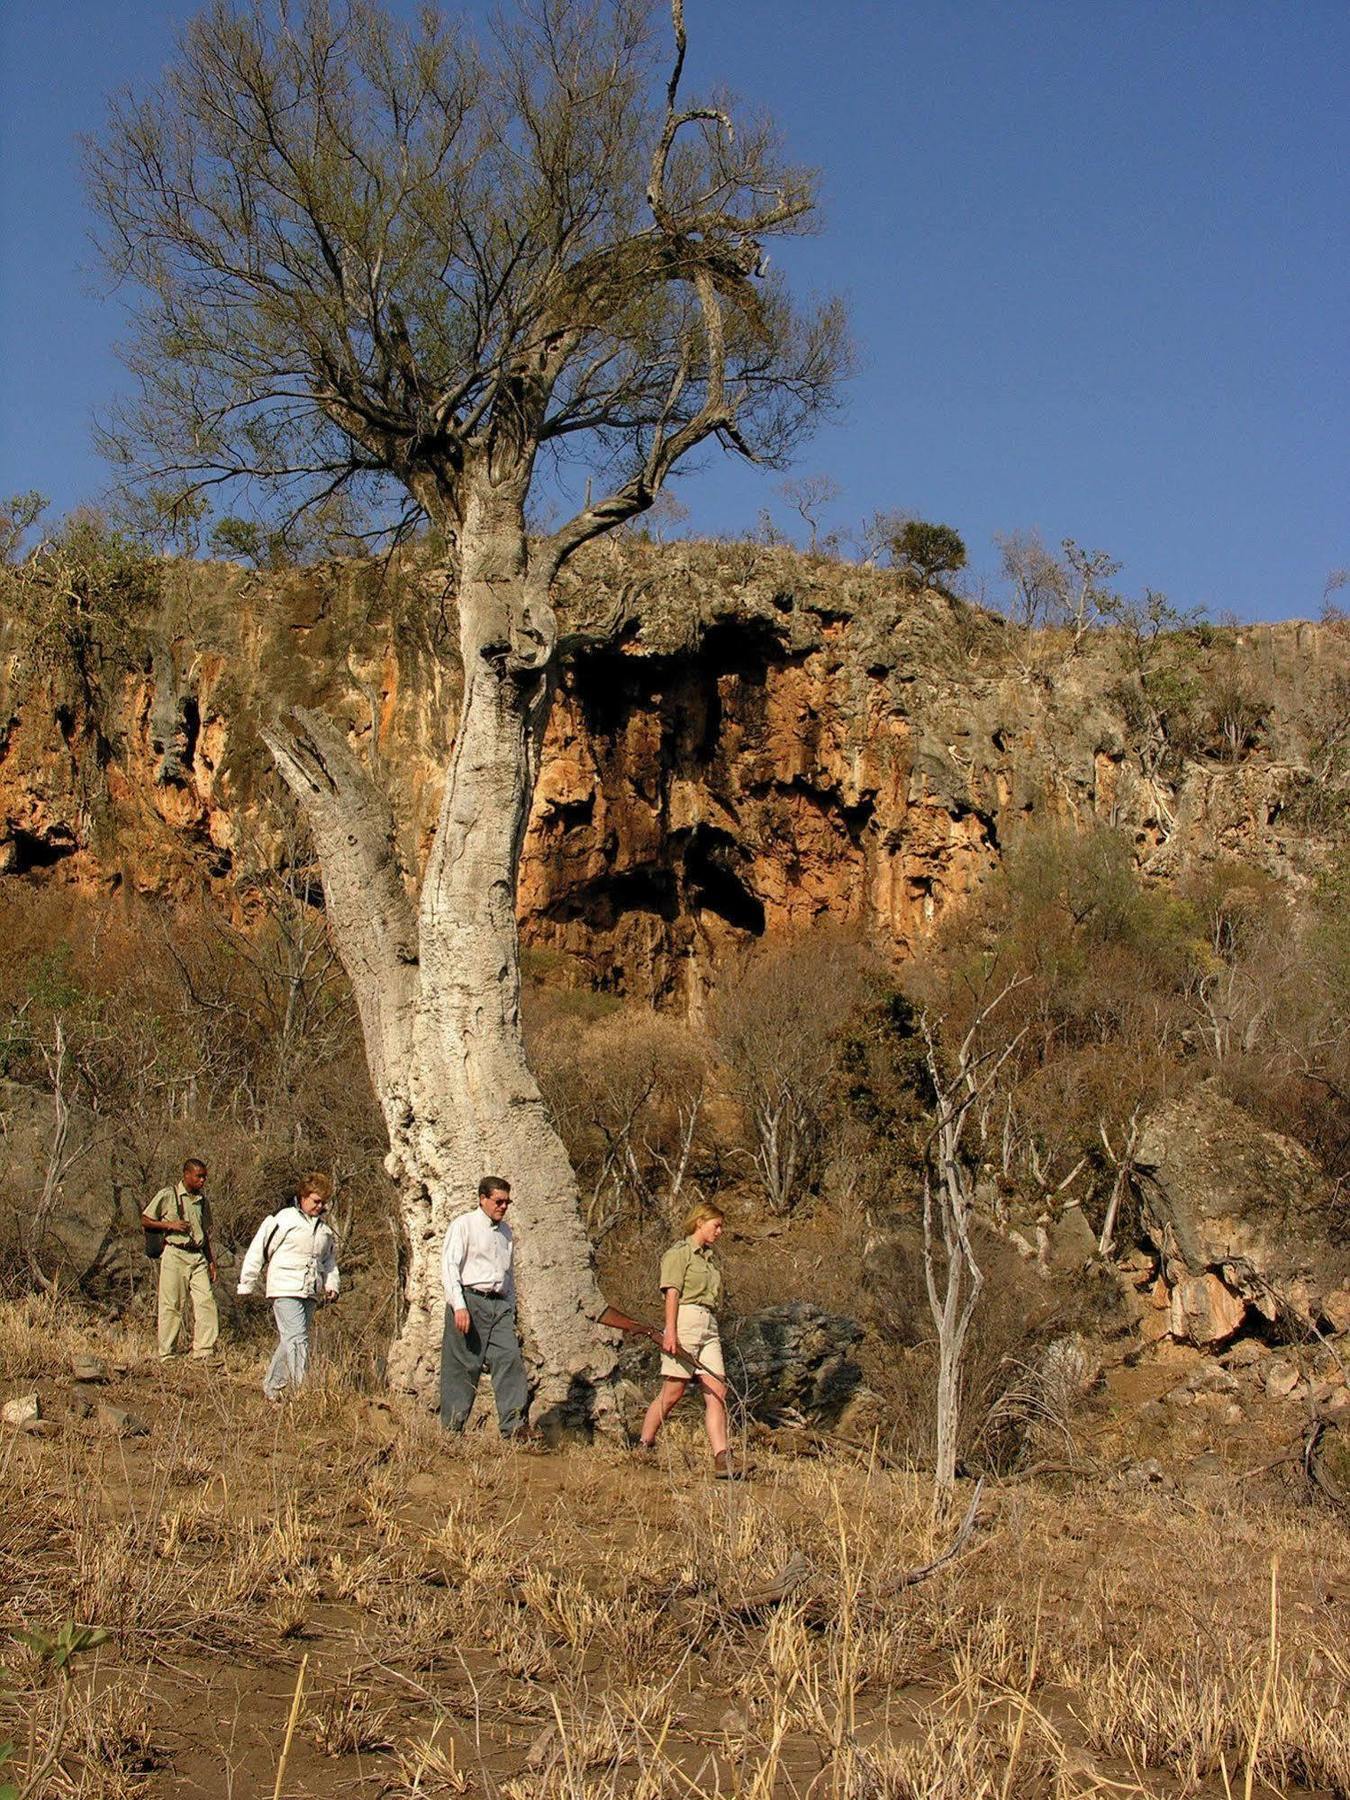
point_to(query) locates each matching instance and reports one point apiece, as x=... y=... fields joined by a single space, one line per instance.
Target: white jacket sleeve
x=328 y=1267
x=452 y=1265
x=253 y=1261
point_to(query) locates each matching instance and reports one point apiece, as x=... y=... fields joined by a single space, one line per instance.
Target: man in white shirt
x=480 y=1313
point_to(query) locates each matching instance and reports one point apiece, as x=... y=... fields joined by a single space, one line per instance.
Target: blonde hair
x=700 y=1214
x=314 y=1182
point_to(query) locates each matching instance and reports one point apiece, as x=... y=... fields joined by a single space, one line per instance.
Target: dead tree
x=1124 y=1165
x=949 y=1212
x=380 y=263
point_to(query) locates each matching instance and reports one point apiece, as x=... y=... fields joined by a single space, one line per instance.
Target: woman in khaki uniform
x=691 y=1285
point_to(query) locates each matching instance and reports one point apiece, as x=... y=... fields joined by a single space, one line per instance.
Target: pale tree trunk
x=439 y=991
x=953 y=1306
x=952 y=1298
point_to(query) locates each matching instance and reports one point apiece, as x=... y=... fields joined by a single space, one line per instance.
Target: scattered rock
x=21 y=1410
x=1148 y=1473
x=1245 y=1353
x=1233 y=1414
x=89 y=1368
x=1281 y=1379
x=1336 y=1309
x=1204 y=1474
x=1336 y=1405
x=1138 y=1268
x=1071 y=1243
x=543 y=1748
x=40 y=1428
x=1213 y=1378
x=122 y=1423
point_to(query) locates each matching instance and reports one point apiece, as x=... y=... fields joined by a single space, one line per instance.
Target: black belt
x=486 y=1293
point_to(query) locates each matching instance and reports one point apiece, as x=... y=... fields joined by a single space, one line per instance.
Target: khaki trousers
x=183 y=1273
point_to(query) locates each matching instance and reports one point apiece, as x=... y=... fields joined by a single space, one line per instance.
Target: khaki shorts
x=696 y=1328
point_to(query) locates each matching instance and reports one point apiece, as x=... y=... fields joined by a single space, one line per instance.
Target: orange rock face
x=760 y=743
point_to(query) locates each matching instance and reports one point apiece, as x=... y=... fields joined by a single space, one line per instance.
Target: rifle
x=617 y=1321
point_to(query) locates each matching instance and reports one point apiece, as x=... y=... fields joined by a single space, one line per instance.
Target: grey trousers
x=290 y=1359
x=491 y=1339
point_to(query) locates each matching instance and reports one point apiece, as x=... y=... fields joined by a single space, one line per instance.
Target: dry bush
x=178 y=1036
x=629 y=1096
x=1008 y=1405
x=101 y=1742
x=431 y=1766
x=780 y=1027
x=348 y=1720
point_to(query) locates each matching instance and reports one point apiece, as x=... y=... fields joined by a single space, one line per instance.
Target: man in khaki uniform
x=186 y=1265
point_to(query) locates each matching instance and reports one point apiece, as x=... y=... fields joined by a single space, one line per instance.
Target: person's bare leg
x=715 y=1413
x=662 y=1407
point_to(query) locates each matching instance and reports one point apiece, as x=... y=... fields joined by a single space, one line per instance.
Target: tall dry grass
x=484 y=1620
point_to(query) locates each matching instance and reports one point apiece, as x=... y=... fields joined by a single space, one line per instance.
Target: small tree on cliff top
x=375 y=258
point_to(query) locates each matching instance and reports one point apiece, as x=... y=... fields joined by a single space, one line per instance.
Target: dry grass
x=568 y=1627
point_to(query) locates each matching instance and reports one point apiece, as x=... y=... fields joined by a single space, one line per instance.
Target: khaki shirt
x=177 y=1203
x=693 y=1272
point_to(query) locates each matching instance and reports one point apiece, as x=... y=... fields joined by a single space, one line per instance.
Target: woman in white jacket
x=299 y=1252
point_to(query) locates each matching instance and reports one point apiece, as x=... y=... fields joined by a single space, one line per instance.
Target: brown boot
x=723 y=1467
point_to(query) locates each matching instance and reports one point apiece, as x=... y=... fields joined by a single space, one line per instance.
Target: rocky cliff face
x=744 y=742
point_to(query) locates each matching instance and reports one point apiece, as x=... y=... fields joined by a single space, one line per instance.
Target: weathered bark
x=440 y=996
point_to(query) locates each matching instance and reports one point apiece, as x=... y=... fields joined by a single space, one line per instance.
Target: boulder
x=1242 y=1218
x=1204 y=1311
x=1281 y=1378
x=793 y=1359
x=1070 y=1243
x=120 y=1422
x=89 y=1368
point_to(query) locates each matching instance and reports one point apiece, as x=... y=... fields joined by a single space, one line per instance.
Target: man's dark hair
x=492 y=1184
x=194 y=1166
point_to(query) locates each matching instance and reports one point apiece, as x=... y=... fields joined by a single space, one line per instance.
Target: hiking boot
x=724 y=1469
x=643 y=1451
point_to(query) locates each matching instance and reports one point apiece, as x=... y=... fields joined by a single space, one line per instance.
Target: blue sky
x=1095 y=251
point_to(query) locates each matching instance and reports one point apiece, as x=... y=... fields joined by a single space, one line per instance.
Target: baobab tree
x=374 y=259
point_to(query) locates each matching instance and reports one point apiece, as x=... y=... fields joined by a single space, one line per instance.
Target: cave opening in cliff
x=712 y=885
x=26 y=852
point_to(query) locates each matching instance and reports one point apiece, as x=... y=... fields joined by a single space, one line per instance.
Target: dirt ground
x=464 y=1617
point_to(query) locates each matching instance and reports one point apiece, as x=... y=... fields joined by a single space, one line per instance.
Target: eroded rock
x=1204 y=1311
x=1243 y=1219
x=793 y=1359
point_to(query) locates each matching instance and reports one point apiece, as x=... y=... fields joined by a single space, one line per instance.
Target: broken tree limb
x=367 y=905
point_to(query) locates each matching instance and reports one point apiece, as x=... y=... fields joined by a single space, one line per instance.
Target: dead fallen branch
x=912 y=1577
x=794 y=1572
